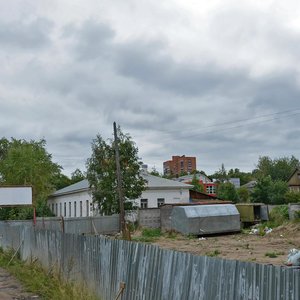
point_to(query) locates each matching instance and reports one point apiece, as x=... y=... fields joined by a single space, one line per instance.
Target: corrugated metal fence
x=84 y=225
x=150 y=272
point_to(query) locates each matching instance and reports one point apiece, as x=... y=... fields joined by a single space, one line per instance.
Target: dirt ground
x=11 y=289
x=271 y=248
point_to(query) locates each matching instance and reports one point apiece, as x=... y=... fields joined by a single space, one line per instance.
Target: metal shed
x=253 y=212
x=206 y=219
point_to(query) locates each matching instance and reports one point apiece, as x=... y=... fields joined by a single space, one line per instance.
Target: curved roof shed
x=205 y=219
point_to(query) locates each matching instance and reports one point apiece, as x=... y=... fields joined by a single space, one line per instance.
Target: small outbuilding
x=205 y=219
x=253 y=212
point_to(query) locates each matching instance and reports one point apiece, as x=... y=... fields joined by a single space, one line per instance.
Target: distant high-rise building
x=179 y=165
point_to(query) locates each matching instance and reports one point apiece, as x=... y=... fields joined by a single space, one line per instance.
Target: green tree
x=279 y=189
x=221 y=174
x=60 y=181
x=243 y=194
x=262 y=191
x=243 y=176
x=154 y=172
x=268 y=191
x=28 y=163
x=292 y=197
x=197 y=186
x=77 y=176
x=278 y=168
x=227 y=191
x=101 y=173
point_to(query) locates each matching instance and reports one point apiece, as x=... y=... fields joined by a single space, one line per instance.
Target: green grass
x=148 y=235
x=273 y=254
x=48 y=285
x=213 y=253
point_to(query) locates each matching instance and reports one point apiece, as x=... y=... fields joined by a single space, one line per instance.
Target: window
x=75 y=209
x=210 y=189
x=70 y=208
x=160 y=201
x=87 y=208
x=80 y=208
x=144 y=203
x=52 y=207
x=65 y=209
x=60 y=209
x=56 y=211
x=181 y=165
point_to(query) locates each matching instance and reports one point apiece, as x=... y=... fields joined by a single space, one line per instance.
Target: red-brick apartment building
x=179 y=165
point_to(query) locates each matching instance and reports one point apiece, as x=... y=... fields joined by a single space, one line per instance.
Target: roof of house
x=75 y=187
x=250 y=184
x=158 y=182
x=190 y=177
x=296 y=170
x=154 y=182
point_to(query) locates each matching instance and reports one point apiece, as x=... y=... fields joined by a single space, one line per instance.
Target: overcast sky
x=219 y=80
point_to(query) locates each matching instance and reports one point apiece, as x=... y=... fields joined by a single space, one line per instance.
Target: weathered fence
x=84 y=225
x=150 y=272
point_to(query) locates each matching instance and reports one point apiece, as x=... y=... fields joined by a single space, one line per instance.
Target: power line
x=204 y=131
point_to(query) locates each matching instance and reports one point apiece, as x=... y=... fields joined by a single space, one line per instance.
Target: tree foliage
x=277 y=169
x=221 y=175
x=197 y=186
x=227 y=191
x=269 y=191
x=292 y=197
x=243 y=176
x=154 y=172
x=101 y=173
x=27 y=163
x=77 y=176
x=243 y=194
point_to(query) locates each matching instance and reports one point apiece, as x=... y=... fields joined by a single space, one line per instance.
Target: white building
x=76 y=200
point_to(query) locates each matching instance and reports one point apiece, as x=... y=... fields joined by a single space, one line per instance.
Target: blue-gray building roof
x=153 y=182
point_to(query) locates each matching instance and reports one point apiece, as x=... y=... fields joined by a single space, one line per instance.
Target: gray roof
x=158 y=182
x=73 y=188
x=250 y=184
x=154 y=182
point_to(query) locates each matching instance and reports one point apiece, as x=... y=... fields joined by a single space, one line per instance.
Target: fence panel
x=149 y=272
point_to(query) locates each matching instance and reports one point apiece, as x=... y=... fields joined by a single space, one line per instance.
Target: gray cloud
x=26 y=35
x=67 y=78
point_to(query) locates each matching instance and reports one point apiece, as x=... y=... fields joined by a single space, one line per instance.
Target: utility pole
x=119 y=184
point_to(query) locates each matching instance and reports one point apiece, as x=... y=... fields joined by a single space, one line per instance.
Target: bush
x=292 y=197
x=149 y=235
x=279 y=215
x=151 y=232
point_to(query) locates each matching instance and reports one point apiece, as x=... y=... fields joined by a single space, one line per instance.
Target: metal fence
x=84 y=225
x=150 y=272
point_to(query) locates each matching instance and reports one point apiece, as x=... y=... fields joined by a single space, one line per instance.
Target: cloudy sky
x=219 y=79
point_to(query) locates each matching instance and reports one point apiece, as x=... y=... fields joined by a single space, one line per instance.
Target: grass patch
x=171 y=234
x=273 y=254
x=278 y=216
x=148 y=235
x=48 y=285
x=213 y=253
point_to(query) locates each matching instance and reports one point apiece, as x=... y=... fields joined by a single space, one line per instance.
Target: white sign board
x=14 y=196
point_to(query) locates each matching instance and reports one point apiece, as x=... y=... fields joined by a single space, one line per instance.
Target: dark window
x=87 y=208
x=144 y=203
x=160 y=201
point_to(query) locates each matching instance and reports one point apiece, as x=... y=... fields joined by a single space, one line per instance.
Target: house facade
x=76 y=199
x=294 y=181
x=210 y=187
